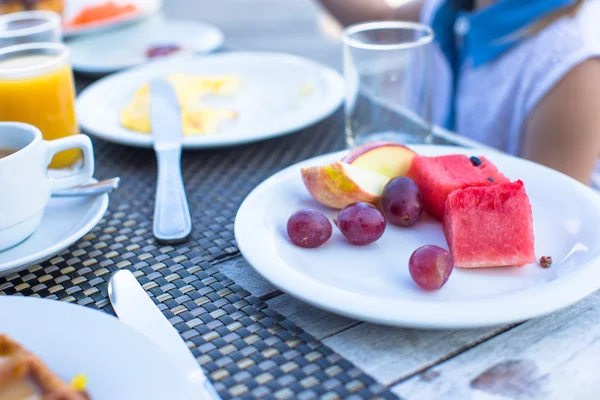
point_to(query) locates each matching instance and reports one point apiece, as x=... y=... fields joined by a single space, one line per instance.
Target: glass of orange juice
x=36 y=87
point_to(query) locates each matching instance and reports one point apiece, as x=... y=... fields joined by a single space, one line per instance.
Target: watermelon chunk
x=490 y=226
x=437 y=177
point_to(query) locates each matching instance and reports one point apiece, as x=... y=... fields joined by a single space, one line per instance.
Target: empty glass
x=386 y=66
x=29 y=27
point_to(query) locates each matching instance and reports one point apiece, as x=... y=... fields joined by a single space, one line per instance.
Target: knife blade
x=134 y=308
x=172 y=222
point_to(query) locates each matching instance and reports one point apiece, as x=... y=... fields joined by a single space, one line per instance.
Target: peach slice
x=339 y=184
x=385 y=158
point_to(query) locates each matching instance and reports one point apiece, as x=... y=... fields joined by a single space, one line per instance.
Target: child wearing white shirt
x=520 y=75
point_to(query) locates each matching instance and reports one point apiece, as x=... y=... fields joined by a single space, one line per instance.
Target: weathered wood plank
x=315 y=321
x=393 y=354
x=244 y=275
x=554 y=357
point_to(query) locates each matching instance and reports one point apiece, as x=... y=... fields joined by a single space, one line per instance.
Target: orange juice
x=43 y=97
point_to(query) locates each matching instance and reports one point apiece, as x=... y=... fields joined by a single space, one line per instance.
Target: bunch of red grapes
x=362 y=223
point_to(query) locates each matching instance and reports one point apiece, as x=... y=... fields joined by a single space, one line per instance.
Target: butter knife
x=134 y=308
x=172 y=222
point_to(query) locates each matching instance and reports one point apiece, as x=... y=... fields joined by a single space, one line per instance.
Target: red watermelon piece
x=437 y=177
x=490 y=226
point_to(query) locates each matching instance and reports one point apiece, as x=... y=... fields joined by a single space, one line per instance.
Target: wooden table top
x=554 y=357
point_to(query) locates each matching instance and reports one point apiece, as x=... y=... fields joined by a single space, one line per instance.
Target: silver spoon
x=90 y=189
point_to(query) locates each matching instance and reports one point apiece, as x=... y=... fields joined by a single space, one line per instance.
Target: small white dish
x=146 y=7
x=372 y=283
x=134 y=41
x=119 y=363
x=272 y=101
x=65 y=221
x=26 y=182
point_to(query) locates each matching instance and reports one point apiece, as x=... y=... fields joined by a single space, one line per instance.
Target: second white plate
x=146 y=8
x=135 y=40
x=372 y=283
x=280 y=94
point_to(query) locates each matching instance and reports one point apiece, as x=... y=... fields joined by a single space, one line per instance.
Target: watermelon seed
x=491 y=179
x=545 y=261
x=476 y=161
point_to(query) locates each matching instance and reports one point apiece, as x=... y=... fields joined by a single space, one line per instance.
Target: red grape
x=308 y=228
x=361 y=223
x=430 y=267
x=162 y=50
x=402 y=202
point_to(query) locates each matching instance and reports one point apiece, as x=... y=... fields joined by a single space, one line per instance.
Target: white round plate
x=192 y=37
x=147 y=8
x=372 y=283
x=65 y=221
x=120 y=364
x=270 y=103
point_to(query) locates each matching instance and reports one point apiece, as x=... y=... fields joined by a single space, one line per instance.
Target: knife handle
x=172 y=222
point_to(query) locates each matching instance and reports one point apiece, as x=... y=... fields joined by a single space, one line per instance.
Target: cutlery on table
x=90 y=189
x=134 y=308
x=172 y=222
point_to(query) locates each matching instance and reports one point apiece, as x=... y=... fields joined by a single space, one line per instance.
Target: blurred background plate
x=120 y=364
x=99 y=54
x=65 y=221
x=72 y=7
x=279 y=94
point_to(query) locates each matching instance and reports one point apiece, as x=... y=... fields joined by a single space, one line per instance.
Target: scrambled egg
x=190 y=89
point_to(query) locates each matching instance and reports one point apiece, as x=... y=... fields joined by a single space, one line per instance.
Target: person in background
x=520 y=75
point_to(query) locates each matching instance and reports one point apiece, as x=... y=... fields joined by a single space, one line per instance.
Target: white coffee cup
x=25 y=185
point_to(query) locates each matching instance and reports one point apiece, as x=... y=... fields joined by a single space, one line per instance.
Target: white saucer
x=119 y=363
x=147 y=8
x=133 y=41
x=372 y=283
x=65 y=221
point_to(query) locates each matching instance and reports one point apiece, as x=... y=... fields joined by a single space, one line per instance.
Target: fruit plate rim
x=537 y=301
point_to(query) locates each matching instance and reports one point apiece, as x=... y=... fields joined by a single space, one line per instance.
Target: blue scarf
x=484 y=35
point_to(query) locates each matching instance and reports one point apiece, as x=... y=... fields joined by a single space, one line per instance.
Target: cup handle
x=84 y=174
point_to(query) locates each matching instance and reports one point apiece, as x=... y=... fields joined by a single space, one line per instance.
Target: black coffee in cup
x=5 y=152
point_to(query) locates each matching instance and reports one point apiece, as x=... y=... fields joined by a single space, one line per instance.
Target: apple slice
x=385 y=158
x=339 y=184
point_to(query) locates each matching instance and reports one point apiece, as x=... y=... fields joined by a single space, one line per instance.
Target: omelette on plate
x=197 y=118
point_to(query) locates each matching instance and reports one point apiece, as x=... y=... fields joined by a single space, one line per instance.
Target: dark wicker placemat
x=247 y=349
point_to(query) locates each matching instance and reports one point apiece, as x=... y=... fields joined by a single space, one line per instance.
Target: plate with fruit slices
x=427 y=237
x=84 y=17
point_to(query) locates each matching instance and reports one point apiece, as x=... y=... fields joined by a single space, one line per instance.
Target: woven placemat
x=247 y=349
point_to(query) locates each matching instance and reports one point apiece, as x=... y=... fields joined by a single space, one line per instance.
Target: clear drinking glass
x=29 y=27
x=386 y=66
